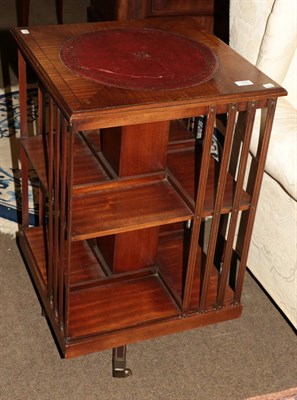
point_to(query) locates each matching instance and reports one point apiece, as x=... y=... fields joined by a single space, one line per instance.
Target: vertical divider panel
x=24 y=133
x=220 y=191
x=250 y=217
x=250 y=116
x=203 y=174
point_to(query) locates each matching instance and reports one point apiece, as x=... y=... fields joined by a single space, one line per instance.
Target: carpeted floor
x=251 y=356
x=290 y=394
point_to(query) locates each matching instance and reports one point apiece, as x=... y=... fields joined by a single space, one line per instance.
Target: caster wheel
x=122 y=373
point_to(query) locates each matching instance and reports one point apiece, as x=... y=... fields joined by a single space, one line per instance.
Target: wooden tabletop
x=91 y=104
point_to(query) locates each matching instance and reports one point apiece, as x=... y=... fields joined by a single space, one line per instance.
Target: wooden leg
x=119 y=369
x=59 y=11
x=23 y=12
x=23 y=7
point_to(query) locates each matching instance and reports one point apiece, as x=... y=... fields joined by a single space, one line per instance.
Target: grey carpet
x=253 y=355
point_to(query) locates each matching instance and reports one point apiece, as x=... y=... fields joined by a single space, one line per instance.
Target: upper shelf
x=87 y=169
x=122 y=205
x=122 y=208
x=183 y=165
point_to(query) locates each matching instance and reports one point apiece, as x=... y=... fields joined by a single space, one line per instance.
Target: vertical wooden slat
x=261 y=155
x=24 y=133
x=69 y=179
x=218 y=204
x=41 y=107
x=56 y=210
x=203 y=174
x=236 y=202
x=63 y=166
x=40 y=204
x=50 y=201
x=23 y=94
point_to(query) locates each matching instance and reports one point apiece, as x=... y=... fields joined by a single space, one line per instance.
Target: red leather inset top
x=139 y=59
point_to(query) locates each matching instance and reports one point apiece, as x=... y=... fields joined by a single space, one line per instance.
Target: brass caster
x=119 y=369
x=121 y=373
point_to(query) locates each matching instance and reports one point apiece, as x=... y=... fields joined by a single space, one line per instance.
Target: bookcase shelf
x=172 y=267
x=145 y=295
x=84 y=265
x=121 y=209
x=96 y=311
x=87 y=168
x=183 y=164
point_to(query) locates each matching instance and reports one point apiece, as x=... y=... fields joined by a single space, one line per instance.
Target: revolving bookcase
x=142 y=231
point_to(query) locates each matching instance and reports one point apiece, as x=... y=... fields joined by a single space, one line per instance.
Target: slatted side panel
x=61 y=195
x=226 y=249
x=53 y=216
x=223 y=265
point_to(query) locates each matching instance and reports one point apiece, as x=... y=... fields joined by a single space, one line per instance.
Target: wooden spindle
x=236 y=202
x=261 y=155
x=218 y=205
x=203 y=174
x=41 y=130
x=50 y=202
x=24 y=134
x=62 y=234
x=69 y=184
x=56 y=206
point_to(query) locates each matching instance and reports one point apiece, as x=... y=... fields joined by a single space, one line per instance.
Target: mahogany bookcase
x=121 y=253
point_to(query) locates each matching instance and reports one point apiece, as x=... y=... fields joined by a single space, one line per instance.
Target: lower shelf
x=84 y=265
x=111 y=311
x=171 y=256
x=117 y=306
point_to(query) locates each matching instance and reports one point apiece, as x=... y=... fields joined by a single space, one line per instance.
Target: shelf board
x=182 y=164
x=171 y=263
x=126 y=208
x=118 y=306
x=84 y=265
x=87 y=169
